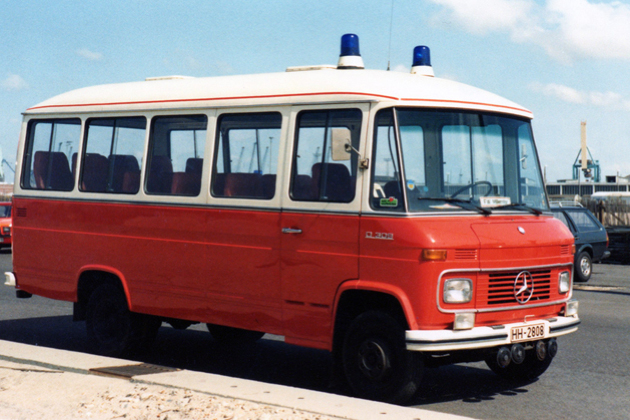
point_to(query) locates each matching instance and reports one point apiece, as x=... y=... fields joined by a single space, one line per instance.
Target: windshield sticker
x=411 y=185
x=494 y=201
x=389 y=202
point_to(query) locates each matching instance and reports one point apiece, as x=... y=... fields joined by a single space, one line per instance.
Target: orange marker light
x=433 y=254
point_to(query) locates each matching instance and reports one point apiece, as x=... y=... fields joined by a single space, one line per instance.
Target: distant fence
x=611 y=212
x=614 y=214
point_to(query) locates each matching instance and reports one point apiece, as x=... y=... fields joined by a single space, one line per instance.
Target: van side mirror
x=341 y=144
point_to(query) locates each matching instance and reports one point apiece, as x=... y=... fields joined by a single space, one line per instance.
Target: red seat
x=185 y=184
x=242 y=185
x=51 y=171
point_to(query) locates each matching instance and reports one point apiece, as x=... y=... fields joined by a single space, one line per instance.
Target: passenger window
x=176 y=155
x=315 y=176
x=49 y=150
x=113 y=155
x=246 y=162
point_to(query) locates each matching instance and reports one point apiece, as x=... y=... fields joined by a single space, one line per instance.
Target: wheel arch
x=588 y=248
x=357 y=297
x=92 y=276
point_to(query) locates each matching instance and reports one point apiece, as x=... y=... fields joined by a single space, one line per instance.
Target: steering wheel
x=473 y=185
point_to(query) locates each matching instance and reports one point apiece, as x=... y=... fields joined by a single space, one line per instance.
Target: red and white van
x=397 y=220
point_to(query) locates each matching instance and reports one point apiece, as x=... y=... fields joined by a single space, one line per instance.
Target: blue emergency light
x=349 y=45
x=350 y=57
x=422 y=61
x=421 y=56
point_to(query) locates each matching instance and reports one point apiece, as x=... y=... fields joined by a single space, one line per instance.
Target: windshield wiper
x=465 y=204
x=520 y=206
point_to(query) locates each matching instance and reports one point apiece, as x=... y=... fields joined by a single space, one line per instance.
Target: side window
x=51 y=144
x=176 y=152
x=386 y=186
x=583 y=220
x=315 y=176
x=246 y=162
x=113 y=155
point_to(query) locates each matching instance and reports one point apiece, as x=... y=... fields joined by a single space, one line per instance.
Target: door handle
x=291 y=230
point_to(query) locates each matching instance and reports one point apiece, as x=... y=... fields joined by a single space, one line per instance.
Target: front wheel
x=583 y=267
x=376 y=362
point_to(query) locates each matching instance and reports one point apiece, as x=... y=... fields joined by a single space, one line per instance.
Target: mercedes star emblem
x=523 y=287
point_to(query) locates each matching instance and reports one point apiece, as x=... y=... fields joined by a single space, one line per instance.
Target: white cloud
x=568 y=30
x=574 y=96
x=90 y=55
x=564 y=93
x=14 y=82
x=484 y=16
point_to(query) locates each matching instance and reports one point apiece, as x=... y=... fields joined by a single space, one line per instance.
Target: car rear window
x=583 y=220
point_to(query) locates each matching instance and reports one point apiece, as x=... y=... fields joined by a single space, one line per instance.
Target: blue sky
x=566 y=60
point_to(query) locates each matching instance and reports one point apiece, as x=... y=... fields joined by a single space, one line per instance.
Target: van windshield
x=436 y=161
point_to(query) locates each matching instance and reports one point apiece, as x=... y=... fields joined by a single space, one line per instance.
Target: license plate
x=527 y=333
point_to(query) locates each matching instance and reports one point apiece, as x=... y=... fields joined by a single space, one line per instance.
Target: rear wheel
x=376 y=362
x=583 y=267
x=112 y=329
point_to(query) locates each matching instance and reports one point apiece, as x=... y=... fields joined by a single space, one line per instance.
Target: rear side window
x=246 y=163
x=315 y=176
x=113 y=155
x=176 y=154
x=584 y=221
x=49 y=150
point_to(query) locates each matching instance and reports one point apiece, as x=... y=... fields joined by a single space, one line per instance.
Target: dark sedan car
x=591 y=239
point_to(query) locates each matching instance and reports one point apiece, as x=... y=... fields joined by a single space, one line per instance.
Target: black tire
x=112 y=329
x=376 y=362
x=233 y=336
x=530 y=369
x=583 y=267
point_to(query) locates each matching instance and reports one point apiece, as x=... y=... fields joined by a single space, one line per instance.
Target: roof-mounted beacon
x=350 y=57
x=422 y=61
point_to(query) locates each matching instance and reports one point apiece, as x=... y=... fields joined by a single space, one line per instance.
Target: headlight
x=6 y=230
x=564 y=282
x=458 y=291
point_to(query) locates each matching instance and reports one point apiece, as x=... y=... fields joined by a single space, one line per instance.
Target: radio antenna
x=391 y=25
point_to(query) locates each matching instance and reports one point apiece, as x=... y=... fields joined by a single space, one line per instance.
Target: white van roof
x=320 y=85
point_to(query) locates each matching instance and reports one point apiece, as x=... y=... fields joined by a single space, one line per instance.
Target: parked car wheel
x=583 y=267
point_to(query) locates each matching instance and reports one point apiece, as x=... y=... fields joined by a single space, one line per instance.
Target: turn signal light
x=433 y=254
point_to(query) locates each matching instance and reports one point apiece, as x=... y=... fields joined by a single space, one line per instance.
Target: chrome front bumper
x=483 y=337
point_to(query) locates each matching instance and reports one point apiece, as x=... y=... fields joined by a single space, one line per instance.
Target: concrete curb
x=223 y=386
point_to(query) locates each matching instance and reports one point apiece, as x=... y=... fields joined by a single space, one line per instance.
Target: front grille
x=500 y=286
